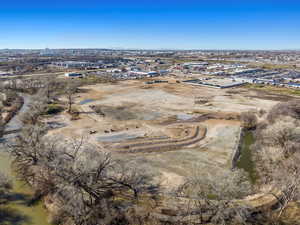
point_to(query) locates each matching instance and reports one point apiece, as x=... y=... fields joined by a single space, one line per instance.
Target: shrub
x=291 y=108
x=75 y=116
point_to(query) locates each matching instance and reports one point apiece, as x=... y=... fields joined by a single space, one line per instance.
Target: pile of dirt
x=145 y=146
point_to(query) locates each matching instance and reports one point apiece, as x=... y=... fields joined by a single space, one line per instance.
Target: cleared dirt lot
x=162 y=127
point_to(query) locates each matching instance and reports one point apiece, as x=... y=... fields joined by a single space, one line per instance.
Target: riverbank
x=20 y=212
x=17 y=211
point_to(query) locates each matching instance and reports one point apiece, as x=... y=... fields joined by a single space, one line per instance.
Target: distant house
x=72 y=75
x=293 y=85
x=3 y=73
x=153 y=74
x=163 y=72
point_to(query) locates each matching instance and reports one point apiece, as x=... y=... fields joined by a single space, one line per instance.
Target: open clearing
x=162 y=127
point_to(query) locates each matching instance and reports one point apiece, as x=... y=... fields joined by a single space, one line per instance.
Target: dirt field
x=163 y=127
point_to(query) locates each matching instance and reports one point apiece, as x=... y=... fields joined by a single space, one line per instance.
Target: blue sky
x=189 y=24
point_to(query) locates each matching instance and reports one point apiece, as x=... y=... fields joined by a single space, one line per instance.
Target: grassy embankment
x=274 y=89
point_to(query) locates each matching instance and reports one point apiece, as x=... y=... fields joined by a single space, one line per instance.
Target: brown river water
x=17 y=211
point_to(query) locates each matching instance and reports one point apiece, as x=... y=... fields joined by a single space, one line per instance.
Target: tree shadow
x=153 y=189
x=10 y=216
x=19 y=198
x=55 y=125
x=34 y=200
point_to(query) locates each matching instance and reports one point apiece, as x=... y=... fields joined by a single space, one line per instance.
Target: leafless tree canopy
x=37 y=108
x=282 y=137
x=249 y=120
x=70 y=92
x=5 y=185
x=291 y=108
x=278 y=158
x=212 y=197
x=2 y=125
x=226 y=186
x=51 y=87
x=90 y=185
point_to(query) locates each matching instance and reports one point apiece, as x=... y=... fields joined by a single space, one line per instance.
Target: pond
x=86 y=101
x=184 y=116
x=246 y=160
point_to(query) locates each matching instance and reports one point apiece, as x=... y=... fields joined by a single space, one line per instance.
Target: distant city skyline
x=145 y=24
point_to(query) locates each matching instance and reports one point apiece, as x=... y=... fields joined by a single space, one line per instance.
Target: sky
x=145 y=24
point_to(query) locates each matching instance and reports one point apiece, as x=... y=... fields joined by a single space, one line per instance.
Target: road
x=48 y=74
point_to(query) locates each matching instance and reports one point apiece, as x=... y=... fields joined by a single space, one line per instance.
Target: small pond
x=86 y=101
x=117 y=137
x=184 y=116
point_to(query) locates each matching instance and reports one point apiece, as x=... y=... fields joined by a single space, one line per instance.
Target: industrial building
x=4 y=73
x=215 y=83
x=72 y=75
x=195 y=66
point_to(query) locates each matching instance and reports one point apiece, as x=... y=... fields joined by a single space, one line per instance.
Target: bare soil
x=162 y=126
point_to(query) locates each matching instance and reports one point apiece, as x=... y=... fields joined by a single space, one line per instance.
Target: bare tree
x=5 y=186
x=249 y=120
x=70 y=92
x=212 y=198
x=282 y=136
x=90 y=182
x=286 y=177
x=51 y=87
x=283 y=174
x=87 y=182
x=13 y=84
x=2 y=125
x=11 y=95
x=291 y=109
x=37 y=107
x=28 y=149
x=278 y=159
x=221 y=186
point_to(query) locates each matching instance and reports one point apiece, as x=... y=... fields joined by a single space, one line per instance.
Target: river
x=17 y=211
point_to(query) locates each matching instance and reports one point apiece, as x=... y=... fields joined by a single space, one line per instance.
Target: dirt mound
x=146 y=146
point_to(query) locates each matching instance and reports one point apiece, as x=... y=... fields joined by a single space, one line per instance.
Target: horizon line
x=149 y=49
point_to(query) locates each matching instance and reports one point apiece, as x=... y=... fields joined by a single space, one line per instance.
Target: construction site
x=170 y=128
